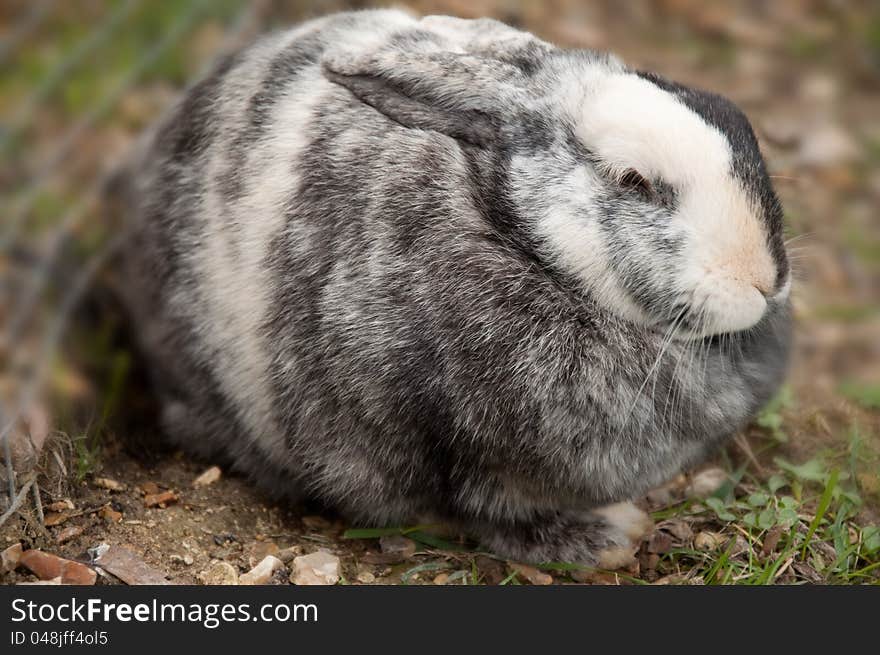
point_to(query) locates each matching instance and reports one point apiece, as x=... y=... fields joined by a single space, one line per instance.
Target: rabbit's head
x=654 y=195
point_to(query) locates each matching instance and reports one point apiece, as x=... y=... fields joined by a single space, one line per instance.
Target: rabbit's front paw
x=606 y=537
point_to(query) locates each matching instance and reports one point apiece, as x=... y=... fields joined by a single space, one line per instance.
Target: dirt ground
x=808 y=76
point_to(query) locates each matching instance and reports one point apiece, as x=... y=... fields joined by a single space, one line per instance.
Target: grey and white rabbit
x=441 y=269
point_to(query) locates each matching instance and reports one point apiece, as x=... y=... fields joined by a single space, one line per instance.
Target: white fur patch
x=231 y=263
x=627 y=519
x=630 y=123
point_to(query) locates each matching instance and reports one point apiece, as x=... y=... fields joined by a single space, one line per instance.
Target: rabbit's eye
x=633 y=181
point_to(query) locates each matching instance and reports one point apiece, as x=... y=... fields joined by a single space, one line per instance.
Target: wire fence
x=42 y=157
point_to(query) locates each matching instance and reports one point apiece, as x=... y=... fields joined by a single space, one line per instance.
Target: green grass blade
x=824 y=503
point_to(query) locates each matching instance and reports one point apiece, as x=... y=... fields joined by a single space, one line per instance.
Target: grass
x=798 y=522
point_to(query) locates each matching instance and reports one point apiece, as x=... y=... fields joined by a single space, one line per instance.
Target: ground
x=798 y=496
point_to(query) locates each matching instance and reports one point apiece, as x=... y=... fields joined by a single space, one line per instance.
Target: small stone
x=286 y=555
x=262 y=572
x=219 y=573
x=162 y=499
x=109 y=514
x=398 y=546
x=366 y=577
x=531 y=574
x=210 y=476
x=441 y=579
x=706 y=541
x=10 y=557
x=108 y=483
x=47 y=566
x=68 y=533
x=60 y=505
x=318 y=568
x=260 y=550
x=705 y=483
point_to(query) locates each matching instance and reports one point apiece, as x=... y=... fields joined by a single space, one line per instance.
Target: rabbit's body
x=388 y=317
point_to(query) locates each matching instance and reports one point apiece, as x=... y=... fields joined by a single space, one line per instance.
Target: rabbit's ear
x=462 y=96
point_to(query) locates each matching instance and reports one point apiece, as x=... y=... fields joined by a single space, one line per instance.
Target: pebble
x=210 y=476
x=10 y=557
x=262 y=572
x=318 y=568
x=47 y=566
x=186 y=560
x=286 y=555
x=108 y=483
x=258 y=551
x=706 y=541
x=219 y=573
x=366 y=577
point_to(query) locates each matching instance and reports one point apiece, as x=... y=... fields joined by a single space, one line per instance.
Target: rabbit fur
x=439 y=269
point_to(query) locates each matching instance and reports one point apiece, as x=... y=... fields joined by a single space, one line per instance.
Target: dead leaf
x=55 y=518
x=68 y=533
x=128 y=567
x=60 y=505
x=771 y=539
x=109 y=514
x=533 y=575
x=660 y=542
x=162 y=499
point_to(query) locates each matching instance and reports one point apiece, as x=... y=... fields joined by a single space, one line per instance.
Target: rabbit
x=439 y=269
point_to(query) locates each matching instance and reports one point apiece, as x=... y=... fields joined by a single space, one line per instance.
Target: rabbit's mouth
x=692 y=325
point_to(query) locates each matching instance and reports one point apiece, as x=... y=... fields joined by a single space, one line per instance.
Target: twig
x=743 y=444
x=38 y=504
x=16 y=503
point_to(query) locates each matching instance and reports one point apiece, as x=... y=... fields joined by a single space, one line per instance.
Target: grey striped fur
x=352 y=271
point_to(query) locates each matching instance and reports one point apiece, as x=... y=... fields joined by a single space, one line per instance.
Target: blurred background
x=80 y=79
